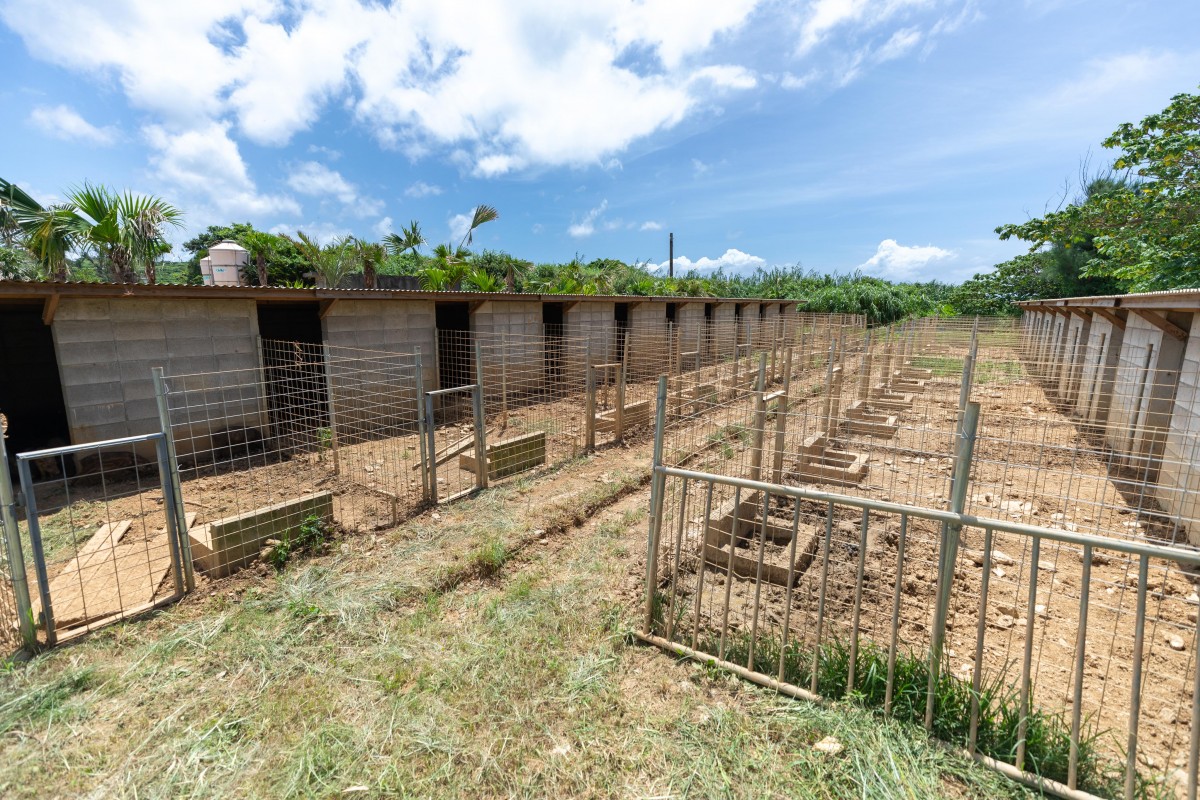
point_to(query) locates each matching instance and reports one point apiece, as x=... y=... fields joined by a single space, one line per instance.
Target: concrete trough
x=863 y=420
x=227 y=545
x=884 y=398
x=821 y=463
x=510 y=456
x=635 y=414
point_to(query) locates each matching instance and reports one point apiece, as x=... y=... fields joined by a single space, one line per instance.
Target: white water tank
x=226 y=260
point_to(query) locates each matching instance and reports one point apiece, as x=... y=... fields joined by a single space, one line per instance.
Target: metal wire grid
x=105 y=544
x=1058 y=626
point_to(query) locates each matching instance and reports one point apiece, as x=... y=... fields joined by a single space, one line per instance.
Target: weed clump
x=310 y=536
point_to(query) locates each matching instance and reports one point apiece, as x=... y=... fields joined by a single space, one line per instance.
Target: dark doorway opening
x=552 y=326
x=708 y=311
x=294 y=368
x=31 y=395
x=737 y=311
x=621 y=316
x=762 y=311
x=671 y=312
x=453 y=322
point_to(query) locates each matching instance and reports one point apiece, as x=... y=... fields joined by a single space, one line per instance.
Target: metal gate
x=447 y=445
x=103 y=522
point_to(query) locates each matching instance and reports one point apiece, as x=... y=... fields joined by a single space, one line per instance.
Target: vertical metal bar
x=948 y=551
x=821 y=593
x=657 y=488
x=16 y=558
x=333 y=437
x=1135 y=695
x=1035 y=552
x=39 y=554
x=980 y=633
x=703 y=565
x=431 y=435
x=791 y=587
x=423 y=454
x=858 y=589
x=901 y=543
x=683 y=495
x=504 y=373
x=175 y=484
x=589 y=408
x=760 y=420
x=481 y=466
x=1194 y=746
x=620 y=412
x=762 y=550
x=781 y=418
x=1077 y=688
x=733 y=535
x=968 y=375
x=174 y=534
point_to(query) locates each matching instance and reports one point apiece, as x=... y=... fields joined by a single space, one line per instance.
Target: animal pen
x=916 y=519
x=914 y=516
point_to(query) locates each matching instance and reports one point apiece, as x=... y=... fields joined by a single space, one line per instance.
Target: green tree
x=370 y=255
x=330 y=262
x=1147 y=230
x=1026 y=277
x=124 y=231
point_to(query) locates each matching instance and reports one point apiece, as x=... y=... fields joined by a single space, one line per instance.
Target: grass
x=353 y=674
x=1047 y=735
x=986 y=372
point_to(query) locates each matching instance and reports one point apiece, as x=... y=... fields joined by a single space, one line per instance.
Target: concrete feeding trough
x=903 y=384
x=882 y=397
x=821 y=463
x=635 y=414
x=510 y=456
x=733 y=537
x=863 y=420
x=911 y=373
x=691 y=399
x=225 y=546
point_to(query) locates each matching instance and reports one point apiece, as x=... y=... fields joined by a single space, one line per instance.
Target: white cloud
x=826 y=16
x=587 y=226
x=422 y=189
x=900 y=43
x=726 y=76
x=383 y=227
x=205 y=163
x=317 y=180
x=732 y=259
x=699 y=167
x=898 y=262
x=651 y=225
x=793 y=82
x=64 y=122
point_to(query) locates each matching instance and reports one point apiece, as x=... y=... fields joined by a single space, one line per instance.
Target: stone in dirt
x=829 y=746
x=1004 y=622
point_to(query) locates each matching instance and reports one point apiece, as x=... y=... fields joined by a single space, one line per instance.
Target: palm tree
x=369 y=256
x=480 y=280
x=262 y=248
x=409 y=238
x=479 y=215
x=48 y=233
x=330 y=262
x=123 y=230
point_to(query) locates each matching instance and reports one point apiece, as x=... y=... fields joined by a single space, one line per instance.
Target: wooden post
x=827 y=409
x=620 y=415
x=774 y=346
x=504 y=373
x=781 y=417
x=760 y=423
x=864 y=378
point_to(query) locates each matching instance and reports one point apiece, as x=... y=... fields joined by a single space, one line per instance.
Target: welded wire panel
x=97 y=535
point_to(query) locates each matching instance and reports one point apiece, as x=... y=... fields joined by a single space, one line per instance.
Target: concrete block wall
x=647 y=341
x=690 y=319
x=1075 y=347
x=589 y=326
x=724 y=328
x=379 y=395
x=1098 y=371
x=1179 y=478
x=1144 y=391
x=510 y=337
x=107 y=347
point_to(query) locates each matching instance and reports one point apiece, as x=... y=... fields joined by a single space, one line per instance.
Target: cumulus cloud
x=317 y=180
x=64 y=122
x=383 y=227
x=587 y=226
x=650 y=225
x=731 y=259
x=422 y=189
x=508 y=85
x=205 y=163
x=898 y=262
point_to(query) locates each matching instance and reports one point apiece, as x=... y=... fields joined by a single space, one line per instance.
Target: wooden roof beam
x=1162 y=323
x=1114 y=318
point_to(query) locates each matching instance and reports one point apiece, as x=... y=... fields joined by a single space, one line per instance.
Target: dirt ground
x=1032 y=465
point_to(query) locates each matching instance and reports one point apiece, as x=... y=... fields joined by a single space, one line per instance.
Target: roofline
x=43 y=289
x=1173 y=300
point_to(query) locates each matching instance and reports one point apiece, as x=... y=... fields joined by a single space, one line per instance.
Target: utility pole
x=671 y=262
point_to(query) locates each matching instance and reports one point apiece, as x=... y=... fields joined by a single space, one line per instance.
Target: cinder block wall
x=724 y=330
x=1099 y=371
x=510 y=336
x=384 y=394
x=107 y=347
x=647 y=341
x=1075 y=347
x=1179 y=479
x=690 y=318
x=588 y=325
x=1144 y=390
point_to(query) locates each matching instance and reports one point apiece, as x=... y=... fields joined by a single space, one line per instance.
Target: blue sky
x=890 y=136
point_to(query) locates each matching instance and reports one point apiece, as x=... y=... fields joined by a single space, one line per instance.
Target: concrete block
x=510 y=456
x=90 y=394
x=73 y=331
x=141 y=350
x=102 y=352
x=81 y=308
x=225 y=546
x=86 y=416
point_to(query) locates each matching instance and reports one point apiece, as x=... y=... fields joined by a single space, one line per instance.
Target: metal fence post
x=16 y=558
x=657 y=488
x=620 y=413
x=333 y=437
x=760 y=420
x=175 y=484
x=431 y=447
x=175 y=525
x=781 y=417
x=39 y=554
x=968 y=376
x=948 y=552
x=419 y=388
x=589 y=408
x=481 y=466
